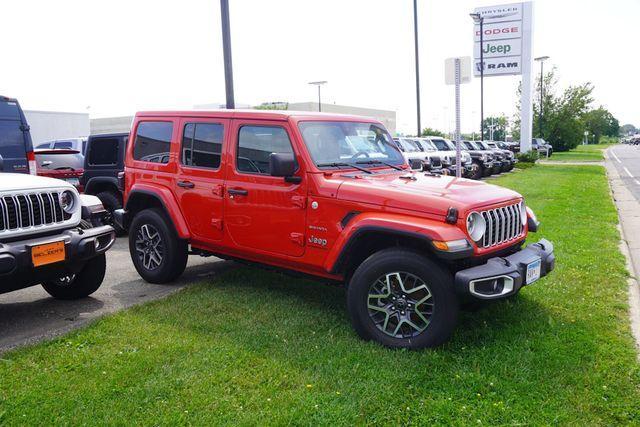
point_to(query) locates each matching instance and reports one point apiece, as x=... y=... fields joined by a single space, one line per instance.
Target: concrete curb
x=626 y=204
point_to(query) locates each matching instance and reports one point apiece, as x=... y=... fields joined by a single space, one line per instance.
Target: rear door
x=263 y=213
x=13 y=146
x=200 y=178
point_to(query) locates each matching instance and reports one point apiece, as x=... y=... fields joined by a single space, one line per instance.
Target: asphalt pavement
x=31 y=315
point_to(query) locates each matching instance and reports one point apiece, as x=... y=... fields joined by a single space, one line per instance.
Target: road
x=626 y=159
x=31 y=315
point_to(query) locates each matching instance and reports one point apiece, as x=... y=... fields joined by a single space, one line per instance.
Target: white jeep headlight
x=476 y=226
x=67 y=201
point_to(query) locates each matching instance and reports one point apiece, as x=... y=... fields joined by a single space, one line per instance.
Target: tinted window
x=153 y=142
x=12 y=143
x=9 y=110
x=66 y=145
x=104 y=151
x=202 y=145
x=255 y=145
x=43 y=146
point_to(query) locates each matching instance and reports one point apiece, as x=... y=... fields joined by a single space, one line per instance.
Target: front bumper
x=501 y=277
x=16 y=266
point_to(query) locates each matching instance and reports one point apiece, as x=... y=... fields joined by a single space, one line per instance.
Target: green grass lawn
x=582 y=153
x=252 y=347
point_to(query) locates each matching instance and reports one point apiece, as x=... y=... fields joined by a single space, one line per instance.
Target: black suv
x=103 y=165
x=482 y=160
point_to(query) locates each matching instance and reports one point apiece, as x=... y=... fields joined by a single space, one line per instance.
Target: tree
x=499 y=123
x=563 y=115
x=600 y=122
x=628 y=129
x=432 y=132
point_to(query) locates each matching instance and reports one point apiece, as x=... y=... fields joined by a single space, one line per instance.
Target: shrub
x=609 y=140
x=529 y=157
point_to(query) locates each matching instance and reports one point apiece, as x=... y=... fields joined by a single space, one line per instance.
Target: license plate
x=533 y=271
x=47 y=254
x=73 y=181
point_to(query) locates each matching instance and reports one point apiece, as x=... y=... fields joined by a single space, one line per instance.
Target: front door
x=262 y=212
x=199 y=181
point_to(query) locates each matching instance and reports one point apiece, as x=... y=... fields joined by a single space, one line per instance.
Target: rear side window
x=202 y=145
x=12 y=144
x=63 y=145
x=255 y=145
x=153 y=142
x=104 y=151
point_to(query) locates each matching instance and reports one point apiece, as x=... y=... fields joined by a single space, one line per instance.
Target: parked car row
x=438 y=155
x=632 y=140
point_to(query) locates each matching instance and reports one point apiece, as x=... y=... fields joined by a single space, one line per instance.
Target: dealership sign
x=502 y=39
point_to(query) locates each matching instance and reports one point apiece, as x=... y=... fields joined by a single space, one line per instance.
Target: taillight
x=33 y=167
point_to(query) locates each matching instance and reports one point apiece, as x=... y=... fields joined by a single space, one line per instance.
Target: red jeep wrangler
x=332 y=197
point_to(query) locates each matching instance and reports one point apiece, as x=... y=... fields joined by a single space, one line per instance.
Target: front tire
x=157 y=253
x=476 y=170
x=80 y=285
x=402 y=299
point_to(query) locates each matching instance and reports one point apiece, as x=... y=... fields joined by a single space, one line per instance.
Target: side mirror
x=284 y=165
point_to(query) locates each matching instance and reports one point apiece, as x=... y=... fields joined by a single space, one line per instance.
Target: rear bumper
x=501 y=277
x=16 y=266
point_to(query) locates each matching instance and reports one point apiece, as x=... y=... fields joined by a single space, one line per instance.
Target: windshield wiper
x=340 y=164
x=378 y=162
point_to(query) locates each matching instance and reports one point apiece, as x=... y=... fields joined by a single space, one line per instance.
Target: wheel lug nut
x=402 y=312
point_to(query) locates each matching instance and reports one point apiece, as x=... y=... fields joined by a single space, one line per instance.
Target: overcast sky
x=118 y=56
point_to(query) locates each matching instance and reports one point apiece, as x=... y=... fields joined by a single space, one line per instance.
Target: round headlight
x=476 y=226
x=523 y=212
x=67 y=201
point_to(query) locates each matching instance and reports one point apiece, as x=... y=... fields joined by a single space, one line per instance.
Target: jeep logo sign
x=492 y=49
x=502 y=33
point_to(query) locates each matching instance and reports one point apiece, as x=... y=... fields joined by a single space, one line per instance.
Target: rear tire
x=157 y=253
x=396 y=286
x=111 y=201
x=80 y=285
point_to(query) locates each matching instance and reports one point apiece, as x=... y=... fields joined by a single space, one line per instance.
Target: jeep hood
x=21 y=181
x=422 y=192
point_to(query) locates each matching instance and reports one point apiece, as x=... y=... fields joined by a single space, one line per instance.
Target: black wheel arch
x=99 y=184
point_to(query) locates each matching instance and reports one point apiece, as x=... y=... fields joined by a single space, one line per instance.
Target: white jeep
x=51 y=235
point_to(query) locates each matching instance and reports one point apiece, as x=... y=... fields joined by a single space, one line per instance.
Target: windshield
x=483 y=145
x=332 y=143
x=469 y=145
x=440 y=144
x=410 y=146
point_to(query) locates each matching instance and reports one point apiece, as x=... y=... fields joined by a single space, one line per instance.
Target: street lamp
x=541 y=60
x=319 y=83
x=478 y=19
x=415 y=42
x=226 y=47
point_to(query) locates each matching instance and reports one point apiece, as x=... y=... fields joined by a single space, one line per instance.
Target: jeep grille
x=503 y=224
x=24 y=211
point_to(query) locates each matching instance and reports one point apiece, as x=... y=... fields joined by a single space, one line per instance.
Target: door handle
x=237 y=192
x=186 y=184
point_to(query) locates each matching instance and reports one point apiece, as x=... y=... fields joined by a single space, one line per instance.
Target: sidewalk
x=629 y=215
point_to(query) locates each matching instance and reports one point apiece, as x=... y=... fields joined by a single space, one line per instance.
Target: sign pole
x=458 y=160
x=226 y=48
x=526 y=110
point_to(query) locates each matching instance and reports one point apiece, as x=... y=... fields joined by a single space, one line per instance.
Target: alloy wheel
x=149 y=247
x=400 y=304
x=65 y=280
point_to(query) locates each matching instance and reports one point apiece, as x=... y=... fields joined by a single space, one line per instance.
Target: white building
x=50 y=125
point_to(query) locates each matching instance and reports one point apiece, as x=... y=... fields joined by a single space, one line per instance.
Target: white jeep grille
x=503 y=224
x=31 y=210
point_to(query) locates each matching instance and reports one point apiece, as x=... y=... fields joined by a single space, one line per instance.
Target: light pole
x=415 y=40
x=226 y=47
x=541 y=60
x=478 y=19
x=319 y=84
